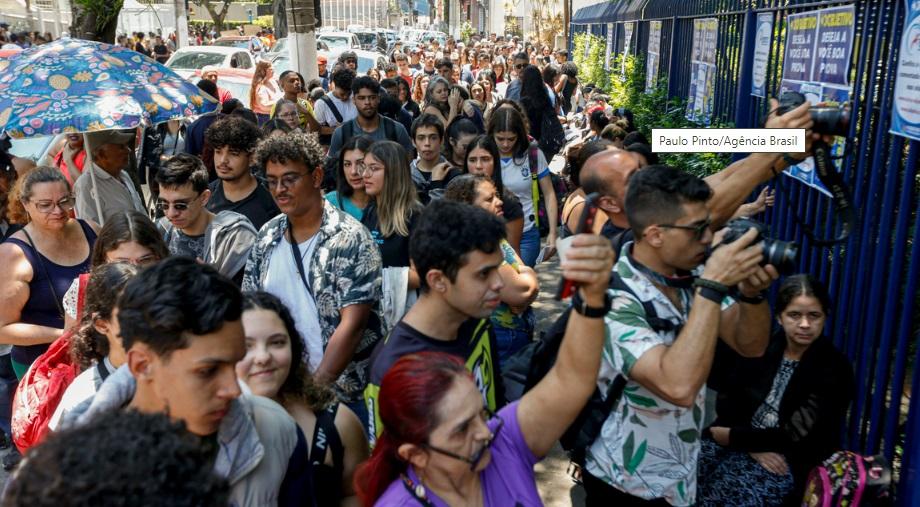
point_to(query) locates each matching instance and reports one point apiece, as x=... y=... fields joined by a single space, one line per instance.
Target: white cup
x=562 y=246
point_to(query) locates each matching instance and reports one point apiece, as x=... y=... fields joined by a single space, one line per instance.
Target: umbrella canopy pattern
x=74 y=85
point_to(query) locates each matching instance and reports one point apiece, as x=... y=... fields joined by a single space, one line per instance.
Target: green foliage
x=652 y=109
x=466 y=31
x=105 y=11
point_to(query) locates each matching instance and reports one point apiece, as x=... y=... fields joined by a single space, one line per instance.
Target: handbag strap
x=298 y=260
x=41 y=262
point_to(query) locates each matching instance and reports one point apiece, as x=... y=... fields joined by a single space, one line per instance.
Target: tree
x=216 y=16
x=95 y=20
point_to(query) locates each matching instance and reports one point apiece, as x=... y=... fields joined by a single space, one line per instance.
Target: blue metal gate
x=874 y=277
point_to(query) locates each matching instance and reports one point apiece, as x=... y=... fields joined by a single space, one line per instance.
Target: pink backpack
x=847 y=479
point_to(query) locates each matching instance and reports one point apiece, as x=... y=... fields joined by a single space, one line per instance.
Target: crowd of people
x=336 y=275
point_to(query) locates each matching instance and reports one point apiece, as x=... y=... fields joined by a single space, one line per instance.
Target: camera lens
x=829 y=120
x=781 y=254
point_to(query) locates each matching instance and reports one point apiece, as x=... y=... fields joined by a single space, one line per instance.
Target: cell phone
x=585 y=224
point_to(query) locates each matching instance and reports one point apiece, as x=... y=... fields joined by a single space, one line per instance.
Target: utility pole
x=302 y=35
x=181 y=9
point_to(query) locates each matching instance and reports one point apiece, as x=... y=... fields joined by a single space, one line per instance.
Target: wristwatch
x=713 y=291
x=592 y=312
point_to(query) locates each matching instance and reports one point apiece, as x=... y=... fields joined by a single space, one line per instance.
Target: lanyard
x=298 y=260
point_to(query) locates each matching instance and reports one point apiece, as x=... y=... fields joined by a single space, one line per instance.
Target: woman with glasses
x=391 y=217
x=127 y=236
x=39 y=263
x=274 y=368
x=286 y=111
x=439 y=446
x=349 y=195
x=780 y=414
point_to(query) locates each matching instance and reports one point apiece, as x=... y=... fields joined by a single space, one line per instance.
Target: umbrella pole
x=92 y=177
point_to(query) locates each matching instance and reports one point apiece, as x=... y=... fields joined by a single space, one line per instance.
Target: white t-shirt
x=284 y=281
x=324 y=114
x=516 y=178
x=81 y=389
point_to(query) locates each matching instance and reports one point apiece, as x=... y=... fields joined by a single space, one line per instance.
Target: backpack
x=41 y=389
x=847 y=479
x=529 y=365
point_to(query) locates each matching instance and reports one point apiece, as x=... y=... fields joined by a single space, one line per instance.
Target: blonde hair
x=398 y=199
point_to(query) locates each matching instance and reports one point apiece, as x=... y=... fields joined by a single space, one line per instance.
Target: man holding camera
x=662 y=336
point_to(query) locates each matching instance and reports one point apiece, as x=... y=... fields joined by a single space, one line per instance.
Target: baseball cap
x=102 y=137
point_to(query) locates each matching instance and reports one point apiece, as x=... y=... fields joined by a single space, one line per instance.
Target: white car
x=366 y=60
x=339 y=41
x=185 y=61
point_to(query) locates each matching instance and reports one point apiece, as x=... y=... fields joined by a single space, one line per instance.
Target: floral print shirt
x=345 y=270
x=648 y=447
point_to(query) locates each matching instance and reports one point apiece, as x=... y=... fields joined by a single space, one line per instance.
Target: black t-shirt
x=161 y=52
x=511 y=206
x=139 y=47
x=475 y=345
x=259 y=206
x=394 y=249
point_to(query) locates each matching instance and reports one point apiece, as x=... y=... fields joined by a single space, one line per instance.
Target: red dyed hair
x=409 y=396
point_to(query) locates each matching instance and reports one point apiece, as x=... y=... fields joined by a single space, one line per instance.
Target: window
x=196 y=60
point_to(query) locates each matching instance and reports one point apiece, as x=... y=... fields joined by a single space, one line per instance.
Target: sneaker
x=11 y=459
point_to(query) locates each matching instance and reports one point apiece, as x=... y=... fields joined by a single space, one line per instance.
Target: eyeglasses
x=66 y=204
x=698 y=230
x=287 y=181
x=474 y=460
x=178 y=205
x=367 y=170
x=519 y=66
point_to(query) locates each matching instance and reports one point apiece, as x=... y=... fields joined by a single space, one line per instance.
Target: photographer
x=662 y=335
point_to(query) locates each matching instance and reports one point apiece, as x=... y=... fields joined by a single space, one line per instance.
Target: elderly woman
x=40 y=261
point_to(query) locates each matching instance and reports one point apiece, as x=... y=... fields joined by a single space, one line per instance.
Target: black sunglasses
x=698 y=230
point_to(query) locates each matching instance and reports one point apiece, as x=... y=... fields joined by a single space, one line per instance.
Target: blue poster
x=761 y=53
x=834 y=45
x=800 y=45
x=906 y=108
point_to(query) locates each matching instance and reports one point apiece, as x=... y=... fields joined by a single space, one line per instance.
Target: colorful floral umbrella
x=74 y=85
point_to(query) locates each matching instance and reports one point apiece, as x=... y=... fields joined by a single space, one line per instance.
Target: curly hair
x=106 y=283
x=123 y=458
x=446 y=231
x=173 y=299
x=22 y=191
x=291 y=147
x=234 y=132
x=463 y=188
x=299 y=384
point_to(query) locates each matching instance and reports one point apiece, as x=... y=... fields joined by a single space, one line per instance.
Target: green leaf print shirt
x=648 y=447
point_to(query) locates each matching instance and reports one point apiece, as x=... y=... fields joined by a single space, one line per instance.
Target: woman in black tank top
x=40 y=262
x=275 y=367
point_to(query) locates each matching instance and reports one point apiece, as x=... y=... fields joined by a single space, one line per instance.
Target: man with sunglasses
x=222 y=239
x=647 y=449
x=322 y=263
x=520 y=61
x=113 y=189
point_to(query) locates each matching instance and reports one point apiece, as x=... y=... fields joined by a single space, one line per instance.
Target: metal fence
x=874 y=277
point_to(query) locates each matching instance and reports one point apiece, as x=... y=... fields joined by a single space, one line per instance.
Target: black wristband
x=716 y=286
x=592 y=312
x=756 y=300
x=711 y=294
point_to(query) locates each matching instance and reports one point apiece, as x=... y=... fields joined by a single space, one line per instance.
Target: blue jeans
x=510 y=341
x=530 y=246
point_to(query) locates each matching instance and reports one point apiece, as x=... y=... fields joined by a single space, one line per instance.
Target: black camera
x=827 y=120
x=781 y=254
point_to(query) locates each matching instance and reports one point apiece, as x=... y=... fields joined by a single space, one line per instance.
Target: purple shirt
x=508 y=480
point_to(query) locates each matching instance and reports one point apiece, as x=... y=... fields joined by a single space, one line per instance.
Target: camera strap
x=841 y=198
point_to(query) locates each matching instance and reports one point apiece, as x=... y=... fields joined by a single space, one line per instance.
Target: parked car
x=340 y=41
x=281 y=47
x=369 y=41
x=236 y=81
x=366 y=60
x=233 y=41
x=185 y=61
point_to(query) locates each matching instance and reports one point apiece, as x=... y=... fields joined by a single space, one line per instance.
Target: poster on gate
x=609 y=51
x=816 y=64
x=906 y=107
x=629 y=33
x=703 y=70
x=654 y=52
x=761 y=54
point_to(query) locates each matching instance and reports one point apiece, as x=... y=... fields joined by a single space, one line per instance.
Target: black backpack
x=529 y=365
x=552 y=136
